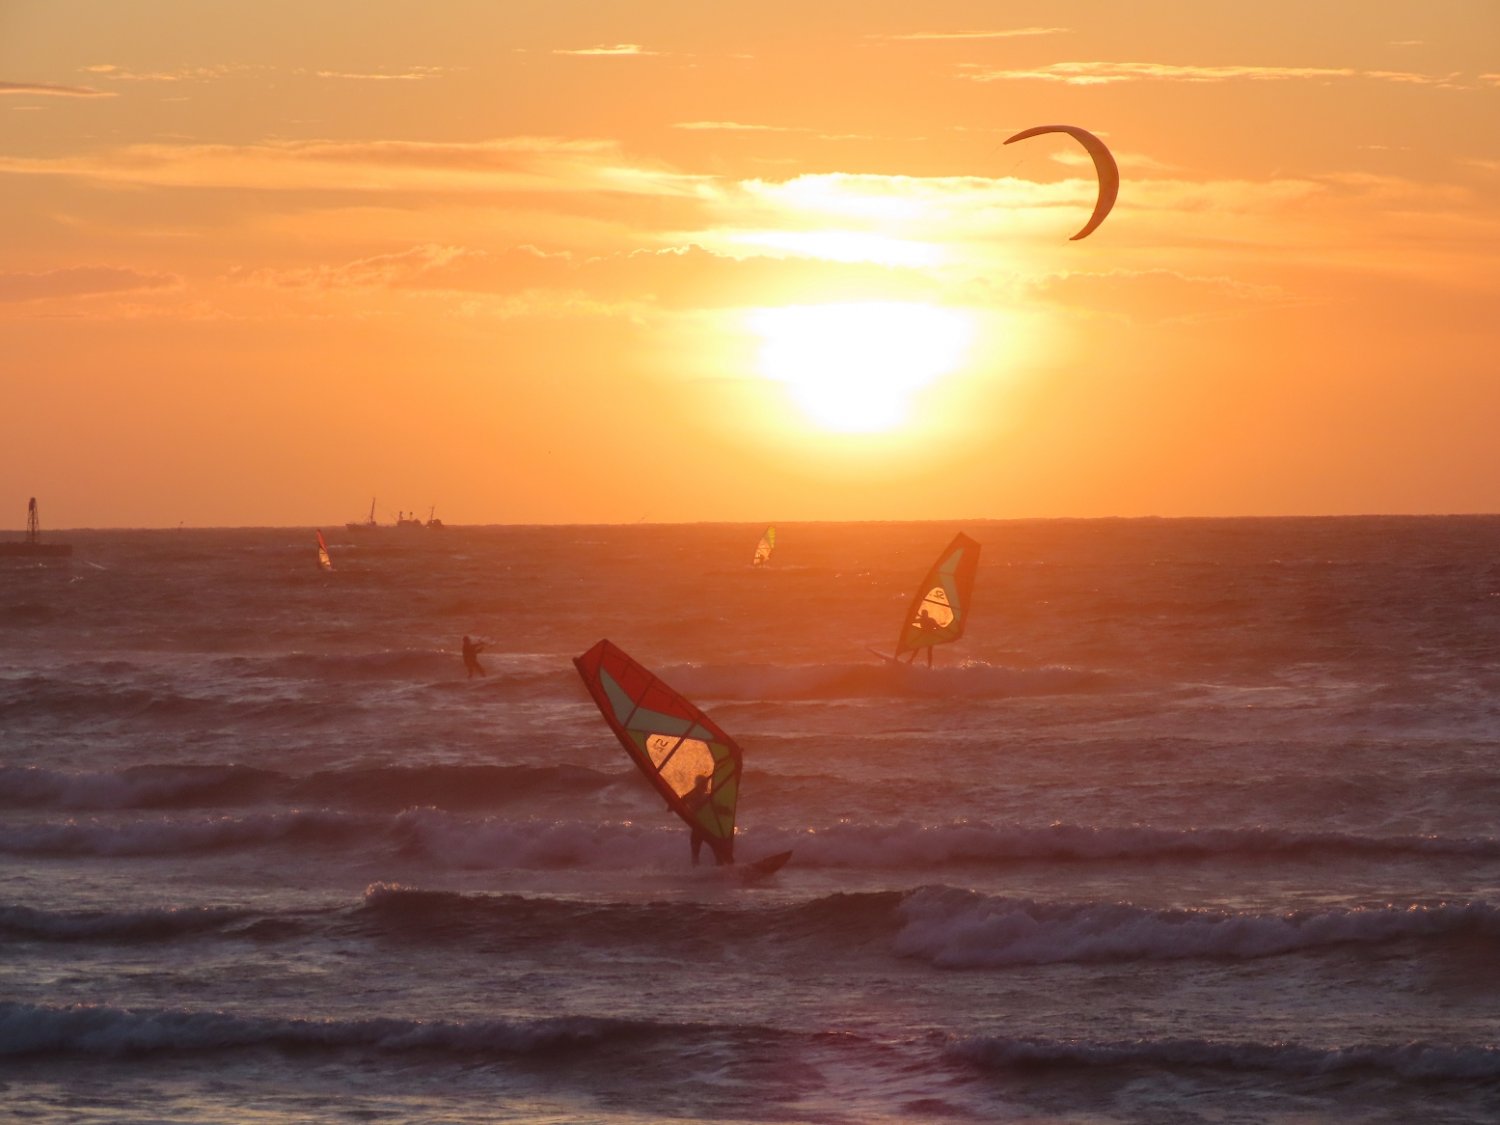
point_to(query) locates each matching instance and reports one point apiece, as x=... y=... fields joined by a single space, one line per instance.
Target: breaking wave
x=882 y=680
x=27 y=1029
x=390 y=664
x=452 y=837
x=44 y=699
x=142 y=787
x=375 y=787
x=109 y=1032
x=943 y=926
x=1412 y=1061
x=946 y=927
x=159 y=924
x=837 y=921
x=956 y=929
x=176 y=836
x=910 y=844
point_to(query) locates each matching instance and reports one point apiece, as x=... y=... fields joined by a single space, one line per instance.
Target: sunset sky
x=601 y=262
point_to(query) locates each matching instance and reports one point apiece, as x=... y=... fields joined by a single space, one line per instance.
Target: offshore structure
x=32 y=546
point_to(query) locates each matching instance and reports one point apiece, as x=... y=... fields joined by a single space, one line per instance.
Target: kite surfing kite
x=1104 y=166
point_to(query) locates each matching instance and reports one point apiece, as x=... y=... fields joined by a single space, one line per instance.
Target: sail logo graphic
x=680 y=761
x=939 y=610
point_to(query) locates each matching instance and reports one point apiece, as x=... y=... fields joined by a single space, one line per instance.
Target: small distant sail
x=940 y=608
x=324 y=562
x=693 y=764
x=764 y=548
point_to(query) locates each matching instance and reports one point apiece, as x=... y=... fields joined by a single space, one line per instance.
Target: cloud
x=1009 y=33
x=613 y=51
x=410 y=74
x=949 y=225
x=79 y=281
x=527 y=281
x=1384 y=190
x=113 y=73
x=183 y=74
x=513 y=164
x=52 y=90
x=1159 y=295
x=381 y=271
x=739 y=127
x=1101 y=73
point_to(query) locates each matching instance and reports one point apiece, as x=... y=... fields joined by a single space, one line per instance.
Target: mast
x=33 y=528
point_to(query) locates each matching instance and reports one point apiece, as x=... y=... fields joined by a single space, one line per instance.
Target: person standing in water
x=695 y=799
x=926 y=623
x=472 y=649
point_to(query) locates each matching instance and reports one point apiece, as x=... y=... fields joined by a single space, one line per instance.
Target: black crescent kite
x=1104 y=165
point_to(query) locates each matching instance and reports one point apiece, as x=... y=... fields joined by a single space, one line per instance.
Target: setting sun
x=853 y=366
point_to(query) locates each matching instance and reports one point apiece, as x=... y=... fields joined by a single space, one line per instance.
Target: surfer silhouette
x=927 y=624
x=695 y=799
x=472 y=649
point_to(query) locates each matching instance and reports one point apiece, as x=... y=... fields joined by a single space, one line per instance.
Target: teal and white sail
x=940 y=609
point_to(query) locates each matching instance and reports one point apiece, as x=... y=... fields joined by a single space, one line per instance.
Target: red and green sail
x=693 y=764
x=940 y=609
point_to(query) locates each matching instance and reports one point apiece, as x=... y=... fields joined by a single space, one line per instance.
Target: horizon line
x=1389 y=515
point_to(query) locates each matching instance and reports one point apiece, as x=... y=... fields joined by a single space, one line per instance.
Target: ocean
x=1196 y=823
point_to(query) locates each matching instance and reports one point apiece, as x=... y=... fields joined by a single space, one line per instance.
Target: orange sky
x=580 y=262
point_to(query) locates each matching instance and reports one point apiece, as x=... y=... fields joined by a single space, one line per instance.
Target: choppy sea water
x=1196 y=823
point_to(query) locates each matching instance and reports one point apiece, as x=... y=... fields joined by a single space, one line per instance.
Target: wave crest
x=1419 y=1061
x=964 y=930
x=27 y=1029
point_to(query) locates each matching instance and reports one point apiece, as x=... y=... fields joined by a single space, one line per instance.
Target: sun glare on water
x=854 y=366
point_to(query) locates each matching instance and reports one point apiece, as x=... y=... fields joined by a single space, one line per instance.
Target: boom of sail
x=687 y=758
x=940 y=609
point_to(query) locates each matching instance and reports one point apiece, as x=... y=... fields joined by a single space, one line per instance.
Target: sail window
x=680 y=761
x=938 y=608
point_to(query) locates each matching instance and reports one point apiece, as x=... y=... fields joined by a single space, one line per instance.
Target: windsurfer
x=472 y=649
x=927 y=624
x=695 y=799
